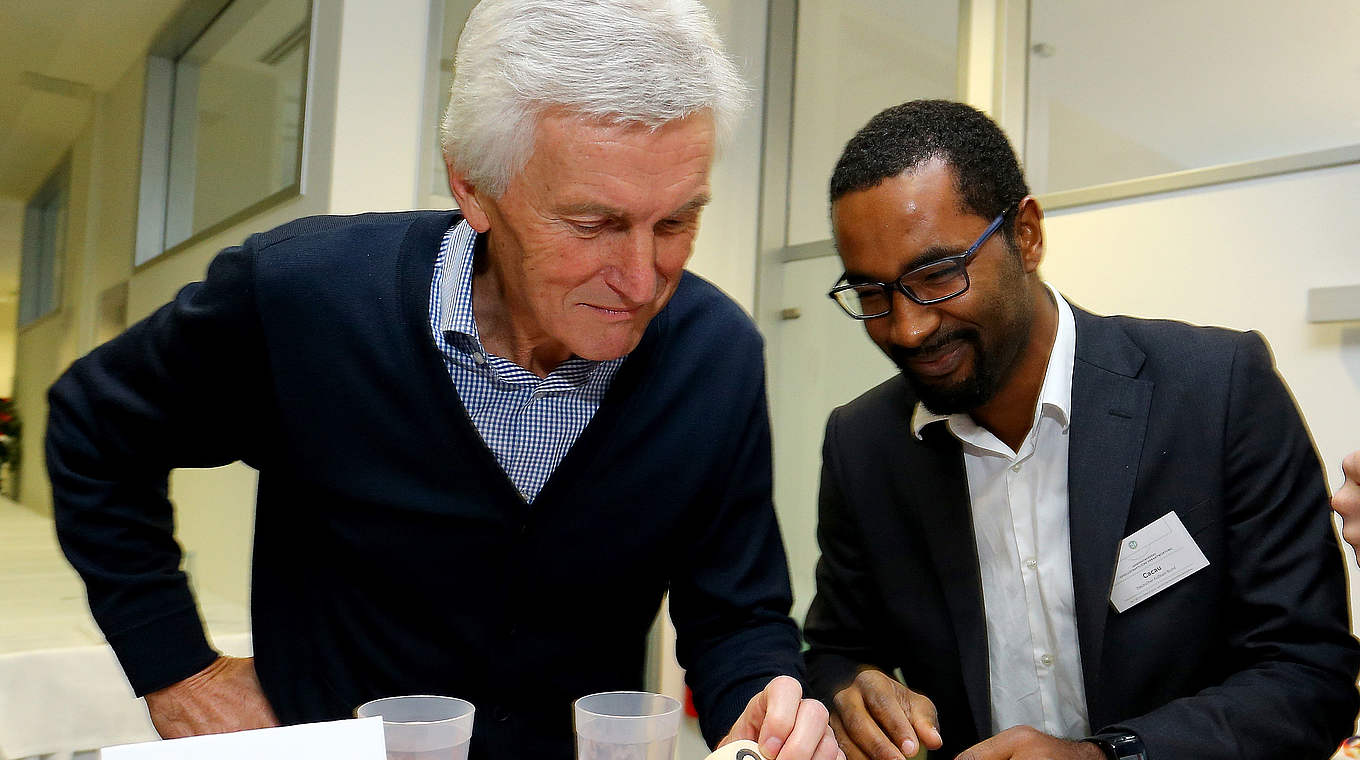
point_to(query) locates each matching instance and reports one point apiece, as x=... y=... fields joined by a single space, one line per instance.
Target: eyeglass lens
x=933 y=282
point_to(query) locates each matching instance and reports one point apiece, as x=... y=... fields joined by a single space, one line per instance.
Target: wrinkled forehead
x=634 y=169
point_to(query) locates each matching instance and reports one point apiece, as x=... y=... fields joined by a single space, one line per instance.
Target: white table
x=62 y=693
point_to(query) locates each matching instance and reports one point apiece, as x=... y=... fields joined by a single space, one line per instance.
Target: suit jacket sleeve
x=182 y=388
x=841 y=626
x=731 y=595
x=1291 y=692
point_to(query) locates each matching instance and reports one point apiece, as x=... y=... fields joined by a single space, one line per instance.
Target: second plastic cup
x=626 y=725
x=423 y=727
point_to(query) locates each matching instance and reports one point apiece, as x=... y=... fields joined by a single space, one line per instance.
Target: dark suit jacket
x=1250 y=657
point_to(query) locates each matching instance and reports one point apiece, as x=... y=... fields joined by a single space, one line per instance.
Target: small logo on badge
x=1133 y=544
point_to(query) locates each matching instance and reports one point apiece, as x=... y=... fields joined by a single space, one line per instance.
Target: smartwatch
x=1119 y=746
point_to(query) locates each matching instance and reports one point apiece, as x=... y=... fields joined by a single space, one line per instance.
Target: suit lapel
x=1109 y=418
x=946 y=519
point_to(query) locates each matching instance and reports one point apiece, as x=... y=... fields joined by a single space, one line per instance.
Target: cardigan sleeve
x=182 y=388
x=730 y=599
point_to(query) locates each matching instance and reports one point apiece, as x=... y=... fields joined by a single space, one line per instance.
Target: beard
x=941 y=397
x=993 y=362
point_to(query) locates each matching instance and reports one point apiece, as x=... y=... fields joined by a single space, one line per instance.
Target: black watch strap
x=1119 y=746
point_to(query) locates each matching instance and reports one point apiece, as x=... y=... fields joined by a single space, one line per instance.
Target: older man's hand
x=787 y=726
x=1346 y=500
x=877 y=718
x=1025 y=743
x=223 y=697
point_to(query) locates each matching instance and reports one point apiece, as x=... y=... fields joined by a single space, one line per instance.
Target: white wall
x=379 y=106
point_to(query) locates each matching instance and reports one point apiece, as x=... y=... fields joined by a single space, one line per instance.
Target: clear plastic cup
x=626 y=725
x=423 y=727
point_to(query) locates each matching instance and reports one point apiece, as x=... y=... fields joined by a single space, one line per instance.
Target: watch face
x=1120 y=746
x=1129 y=746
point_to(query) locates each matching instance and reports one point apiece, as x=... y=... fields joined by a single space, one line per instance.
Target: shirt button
x=1015 y=467
x=1031 y=563
x=1046 y=659
x=478 y=358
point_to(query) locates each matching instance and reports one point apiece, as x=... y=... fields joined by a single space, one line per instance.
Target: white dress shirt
x=1020 y=523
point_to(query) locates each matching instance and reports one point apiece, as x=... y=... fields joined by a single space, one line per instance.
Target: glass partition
x=452 y=16
x=853 y=59
x=224 y=122
x=44 y=246
x=1141 y=97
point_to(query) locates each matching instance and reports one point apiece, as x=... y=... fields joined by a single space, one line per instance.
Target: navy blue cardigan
x=392 y=555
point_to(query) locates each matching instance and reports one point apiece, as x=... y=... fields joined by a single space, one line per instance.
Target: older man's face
x=588 y=242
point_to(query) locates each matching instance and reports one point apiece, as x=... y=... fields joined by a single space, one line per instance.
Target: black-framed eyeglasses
x=940 y=280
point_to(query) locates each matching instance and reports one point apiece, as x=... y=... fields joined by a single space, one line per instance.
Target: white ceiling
x=55 y=57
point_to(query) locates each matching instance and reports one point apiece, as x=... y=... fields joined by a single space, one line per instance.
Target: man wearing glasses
x=1075 y=536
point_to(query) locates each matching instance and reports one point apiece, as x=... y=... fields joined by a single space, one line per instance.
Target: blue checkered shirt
x=528 y=422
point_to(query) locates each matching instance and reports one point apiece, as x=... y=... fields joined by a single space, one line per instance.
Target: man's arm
x=1346 y=500
x=874 y=716
x=731 y=596
x=223 y=697
x=180 y=388
x=1293 y=691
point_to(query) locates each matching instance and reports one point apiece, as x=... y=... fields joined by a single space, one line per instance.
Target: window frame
x=43 y=255
x=195 y=20
x=1011 y=97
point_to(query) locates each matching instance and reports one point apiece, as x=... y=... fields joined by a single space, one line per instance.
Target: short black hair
x=901 y=138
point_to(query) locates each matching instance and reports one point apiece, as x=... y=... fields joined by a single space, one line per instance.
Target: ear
x=1029 y=233
x=469 y=200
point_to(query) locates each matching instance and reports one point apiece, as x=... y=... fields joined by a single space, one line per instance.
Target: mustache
x=903 y=354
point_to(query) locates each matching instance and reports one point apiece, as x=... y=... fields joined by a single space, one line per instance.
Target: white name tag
x=1151 y=559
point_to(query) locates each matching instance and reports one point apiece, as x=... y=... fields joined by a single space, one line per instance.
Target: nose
x=910 y=324
x=633 y=274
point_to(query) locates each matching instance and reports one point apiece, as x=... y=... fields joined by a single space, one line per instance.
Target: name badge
x=1154 y=558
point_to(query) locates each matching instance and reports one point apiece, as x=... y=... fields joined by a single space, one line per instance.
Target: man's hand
x=1025 y=743
x=1346 y=500
x=878 y=718
x=223 y=697
x=785 y=725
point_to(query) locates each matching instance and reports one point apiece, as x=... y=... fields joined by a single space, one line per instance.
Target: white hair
x=638 y=61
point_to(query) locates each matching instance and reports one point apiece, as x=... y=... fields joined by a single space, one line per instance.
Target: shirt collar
x=459 y=325
x=1055 y=395
x=455 y=313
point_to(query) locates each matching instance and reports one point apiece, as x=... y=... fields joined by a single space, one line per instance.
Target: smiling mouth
x=612 y=313
x=938 y=363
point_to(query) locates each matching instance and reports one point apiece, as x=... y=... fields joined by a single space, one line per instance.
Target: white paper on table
x=354 y=739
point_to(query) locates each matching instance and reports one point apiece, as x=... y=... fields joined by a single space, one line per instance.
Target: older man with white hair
x=489 y=441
